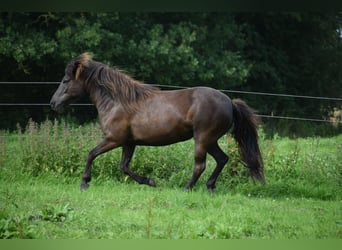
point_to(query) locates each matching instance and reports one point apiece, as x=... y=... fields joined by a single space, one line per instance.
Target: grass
x=47 y=207
x=41 y=166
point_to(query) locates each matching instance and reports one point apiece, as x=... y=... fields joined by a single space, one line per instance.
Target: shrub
x=54 y=147
x=58 y=147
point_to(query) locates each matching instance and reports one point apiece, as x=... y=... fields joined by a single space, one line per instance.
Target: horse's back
x=210 y=96
x=171 y=116
x=202 y=104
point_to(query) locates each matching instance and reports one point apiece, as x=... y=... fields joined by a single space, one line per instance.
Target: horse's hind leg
x=127 y=153
x=200 y=158
x=221 y=159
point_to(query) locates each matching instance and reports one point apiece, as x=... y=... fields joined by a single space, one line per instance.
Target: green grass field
x=47 y=208
x=40 y=172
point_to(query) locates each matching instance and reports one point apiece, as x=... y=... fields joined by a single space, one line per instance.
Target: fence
x=265 y=115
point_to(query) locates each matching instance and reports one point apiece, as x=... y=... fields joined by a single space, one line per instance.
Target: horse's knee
x=199 y=169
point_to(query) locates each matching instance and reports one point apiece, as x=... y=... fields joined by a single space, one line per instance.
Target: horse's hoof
x=211 y=188
x=84 y=186
x=151 y=182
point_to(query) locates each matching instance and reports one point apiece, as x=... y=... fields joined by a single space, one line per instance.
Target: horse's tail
x=246 y=136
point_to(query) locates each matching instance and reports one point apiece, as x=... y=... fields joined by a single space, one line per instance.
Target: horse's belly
x=158 y=133
x=162 y=141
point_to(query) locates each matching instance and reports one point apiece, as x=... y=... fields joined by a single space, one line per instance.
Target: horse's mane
x=119 y=85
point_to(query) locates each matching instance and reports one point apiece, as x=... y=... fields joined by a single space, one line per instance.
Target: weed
x=55 y=213
x=3 y=148
x=149 y=218
x=14 y=227
x=62 y=149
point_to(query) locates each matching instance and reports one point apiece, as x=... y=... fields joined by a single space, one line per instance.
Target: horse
x=132 y=113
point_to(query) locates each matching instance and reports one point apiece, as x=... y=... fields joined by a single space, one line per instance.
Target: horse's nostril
x=52 y=105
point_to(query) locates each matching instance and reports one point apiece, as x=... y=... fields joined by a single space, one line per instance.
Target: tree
x=196 y=49
x=293 y=53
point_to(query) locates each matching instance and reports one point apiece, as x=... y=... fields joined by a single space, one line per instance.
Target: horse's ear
x=78 y=68
x=80 y=63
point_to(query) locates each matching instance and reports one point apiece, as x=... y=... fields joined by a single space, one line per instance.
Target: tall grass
x=294 y=167
x=55 y=147
x=41 y=165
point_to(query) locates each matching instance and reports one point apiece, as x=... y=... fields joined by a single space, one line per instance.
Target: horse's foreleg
x=103 y=147
x=127 y=153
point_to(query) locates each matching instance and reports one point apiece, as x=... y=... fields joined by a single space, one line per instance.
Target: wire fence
x=262 y=93
x=182 y=87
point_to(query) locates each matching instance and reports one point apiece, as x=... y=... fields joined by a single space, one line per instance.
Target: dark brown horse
x=132 y=113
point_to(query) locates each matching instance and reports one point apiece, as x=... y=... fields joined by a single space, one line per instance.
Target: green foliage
x=14 y=227
x=38 y=142
x=40 y=198
x=158 y=48
x=128 y=211
x=292 y=53
x=301 y=167
x=54 y=213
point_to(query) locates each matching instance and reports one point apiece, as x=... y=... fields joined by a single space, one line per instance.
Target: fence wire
x=222 y=90
x=182 y=87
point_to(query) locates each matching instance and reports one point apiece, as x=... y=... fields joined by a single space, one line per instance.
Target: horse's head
x=71 y=86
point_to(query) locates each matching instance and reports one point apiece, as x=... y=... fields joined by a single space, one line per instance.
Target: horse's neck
x=129 y=101
x=102 y=100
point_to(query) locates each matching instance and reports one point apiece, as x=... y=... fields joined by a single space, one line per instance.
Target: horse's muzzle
x=52 y=105
x=55 y=107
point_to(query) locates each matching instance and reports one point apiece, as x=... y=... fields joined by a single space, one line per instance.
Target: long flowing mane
x=117 y=84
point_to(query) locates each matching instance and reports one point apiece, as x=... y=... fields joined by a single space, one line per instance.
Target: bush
x=291 y=166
